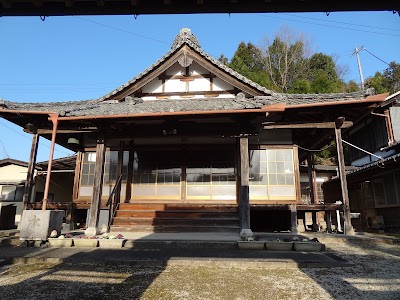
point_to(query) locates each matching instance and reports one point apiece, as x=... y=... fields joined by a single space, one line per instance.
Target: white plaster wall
x=154 y=86
x=13 y=173
x=200 y=84
x=175 y=69
x=220 y=85
x=175 y=85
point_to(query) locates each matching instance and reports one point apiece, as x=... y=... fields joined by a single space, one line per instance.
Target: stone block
x=38 y=224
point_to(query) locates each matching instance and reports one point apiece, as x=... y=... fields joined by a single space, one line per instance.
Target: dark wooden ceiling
x=141 y=7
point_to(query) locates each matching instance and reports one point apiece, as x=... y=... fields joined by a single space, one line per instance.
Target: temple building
x=191 y=145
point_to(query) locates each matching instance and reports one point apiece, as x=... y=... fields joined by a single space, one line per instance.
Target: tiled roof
x=131 y=106
x=138 y=106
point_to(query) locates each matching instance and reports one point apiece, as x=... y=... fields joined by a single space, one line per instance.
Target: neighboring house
x=374 y=189
x=13 y=174
x=12 y=180
x=196 y=146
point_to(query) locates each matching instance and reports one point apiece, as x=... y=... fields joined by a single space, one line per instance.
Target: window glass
x=390 y=189
x=8 y=193
x=273 y=169
x=379 y=191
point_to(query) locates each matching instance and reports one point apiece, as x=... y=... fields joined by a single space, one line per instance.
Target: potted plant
x=85 y=241
x=250 y=243
x=60 y=241
x=279 y=245
x=111 y=241
x=308 y=246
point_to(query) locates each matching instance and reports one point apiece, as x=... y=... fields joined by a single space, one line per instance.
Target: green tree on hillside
x=249 y=62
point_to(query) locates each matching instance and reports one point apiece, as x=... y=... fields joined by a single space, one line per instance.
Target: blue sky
x=85 y=57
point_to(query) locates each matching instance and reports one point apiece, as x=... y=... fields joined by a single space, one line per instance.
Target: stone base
x=92 y=231
x=36 y=225
x=245 y=234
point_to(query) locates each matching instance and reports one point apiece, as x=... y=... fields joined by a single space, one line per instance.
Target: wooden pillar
x=293 y=218
x=94 y=210
x=128 y=192
x=77 y=177
x=54 y=120
x=244 y=199
x=31 y=170
x=348 y=228
x=313 y=194
x=328 y=215
x=120 y=162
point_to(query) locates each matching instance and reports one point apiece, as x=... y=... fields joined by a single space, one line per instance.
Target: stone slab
x=38 y=224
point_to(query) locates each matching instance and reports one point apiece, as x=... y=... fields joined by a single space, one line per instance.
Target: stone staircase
x=148 y=217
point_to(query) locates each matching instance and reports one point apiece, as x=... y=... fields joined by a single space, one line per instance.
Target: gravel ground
x=375 y=275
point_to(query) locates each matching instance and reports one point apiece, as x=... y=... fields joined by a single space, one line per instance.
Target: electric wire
x=325 y=25
x=376 y=57
x=47 y=146
x=122 y=30
x=339 y=22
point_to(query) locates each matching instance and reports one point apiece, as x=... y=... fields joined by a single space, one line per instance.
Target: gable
x=186 y=71
x=192 y=81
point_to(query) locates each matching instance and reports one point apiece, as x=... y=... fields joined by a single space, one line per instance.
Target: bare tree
x=286 y=57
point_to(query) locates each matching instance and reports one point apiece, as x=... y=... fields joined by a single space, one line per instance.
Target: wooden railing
x=112 y=204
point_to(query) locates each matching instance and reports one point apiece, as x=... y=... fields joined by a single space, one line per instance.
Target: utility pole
x=356 y=51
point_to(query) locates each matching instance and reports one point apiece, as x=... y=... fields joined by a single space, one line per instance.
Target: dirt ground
x=374 y=275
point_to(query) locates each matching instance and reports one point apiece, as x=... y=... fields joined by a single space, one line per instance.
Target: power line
x=339 y=22
x=122 y=30
x=377 y=57
x=47 y=146
x=325 y=25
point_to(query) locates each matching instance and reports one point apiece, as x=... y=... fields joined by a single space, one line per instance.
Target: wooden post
x=293 y=218
x=31 y=169
x=77 y=177
x=117 y=195
x=348 y=229
x=128 y=192
x=94 y=210
x=311 y=181
x=54 y=120
x=244 y=200
x=328 y=215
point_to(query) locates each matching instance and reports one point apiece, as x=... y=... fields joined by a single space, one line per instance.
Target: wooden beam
x=206 y=93
x=318 y=125
x=348 y=229
x=65 y=131
x=31 y=168
x=94 y=211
